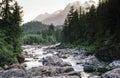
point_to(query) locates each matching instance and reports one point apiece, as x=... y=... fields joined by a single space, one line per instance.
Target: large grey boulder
x=13 y=73
x=91 y=60
x=92 y=64
x=51 y=60
x=115 y=73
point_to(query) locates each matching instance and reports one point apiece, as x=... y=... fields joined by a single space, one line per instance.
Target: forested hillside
x=38 y=33
x=96 y=28
x=33 y=27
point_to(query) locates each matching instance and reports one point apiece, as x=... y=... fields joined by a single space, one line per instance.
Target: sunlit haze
x=33 y=8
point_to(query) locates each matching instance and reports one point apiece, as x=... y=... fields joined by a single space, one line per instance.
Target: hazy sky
x=33 y=8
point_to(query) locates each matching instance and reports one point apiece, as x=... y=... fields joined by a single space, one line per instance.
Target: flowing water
x=35 y=54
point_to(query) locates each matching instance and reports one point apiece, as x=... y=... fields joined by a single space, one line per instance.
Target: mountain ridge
x=58 y=17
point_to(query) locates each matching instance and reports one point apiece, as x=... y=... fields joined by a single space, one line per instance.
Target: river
x=34 y=55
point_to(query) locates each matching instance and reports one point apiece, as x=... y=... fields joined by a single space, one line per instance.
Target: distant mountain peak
x=58 y=17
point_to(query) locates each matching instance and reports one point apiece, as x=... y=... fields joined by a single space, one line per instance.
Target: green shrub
x=7 y=56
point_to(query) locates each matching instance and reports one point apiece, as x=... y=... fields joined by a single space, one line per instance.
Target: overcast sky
x=33 y=8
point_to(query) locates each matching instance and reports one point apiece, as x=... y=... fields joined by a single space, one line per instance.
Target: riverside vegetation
x=10 y=32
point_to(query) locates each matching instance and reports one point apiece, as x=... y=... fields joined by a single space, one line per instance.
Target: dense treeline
x=38 y=33
x=33 y=27
x=10 y=40
x=94 y=29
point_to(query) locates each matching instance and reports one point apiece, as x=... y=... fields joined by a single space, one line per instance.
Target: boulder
x=66 y=69
x=13 y=73
x=115 y=64
x=102 y=69
x=17 y=66
x=1 y=77
x=92 y=68
x=6 y=66
x=52 y=60
x=91 y=60
x=92 y=64
x=115 y=73
x=21 y=58
x=89 y=68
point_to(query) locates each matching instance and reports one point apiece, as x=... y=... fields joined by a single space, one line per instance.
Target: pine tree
x=15 y=29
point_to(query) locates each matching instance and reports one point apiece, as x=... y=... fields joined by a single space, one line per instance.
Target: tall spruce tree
x=15 y=29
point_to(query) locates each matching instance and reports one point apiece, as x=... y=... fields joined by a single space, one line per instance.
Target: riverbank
x=52 y=62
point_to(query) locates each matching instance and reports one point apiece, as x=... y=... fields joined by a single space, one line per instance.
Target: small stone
x=6 y=67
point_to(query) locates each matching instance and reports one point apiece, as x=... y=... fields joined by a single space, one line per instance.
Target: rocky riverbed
x=52 y=62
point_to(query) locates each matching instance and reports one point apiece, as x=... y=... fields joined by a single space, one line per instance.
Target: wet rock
x=102 y=69
x=64 y=56
x=51 y=71
x=37 y=77
x=115 y=73
x=45 y=53
x=92 y=64
x=73 y=73
x=40 y=60
x=35 y=57
x=16 y=77
x=63 y=77
x=66 y=69
x=115 y=64
x=52 y=60
x=1 y=69
x=63 y=64
x=91 y=60
x=21 y=58
x=89 y=68
x=18 y=66
x=44 y=71
x=13 y=73
x=6 y=66
x=94 y=76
